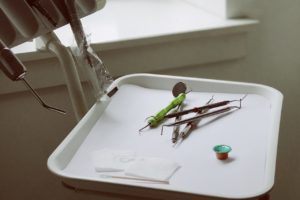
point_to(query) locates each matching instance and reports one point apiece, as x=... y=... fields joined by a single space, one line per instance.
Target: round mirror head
x=178 y=88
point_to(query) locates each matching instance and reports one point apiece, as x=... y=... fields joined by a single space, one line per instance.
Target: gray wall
x=29 y=133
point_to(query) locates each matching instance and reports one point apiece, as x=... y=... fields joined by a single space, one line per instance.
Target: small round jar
x=222 y=151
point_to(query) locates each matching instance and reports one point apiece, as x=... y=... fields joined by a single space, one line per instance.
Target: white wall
x=29 y=133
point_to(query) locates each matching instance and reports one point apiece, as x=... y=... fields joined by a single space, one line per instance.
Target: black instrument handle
x=10 y=64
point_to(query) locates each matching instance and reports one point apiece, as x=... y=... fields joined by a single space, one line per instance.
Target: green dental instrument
x=154 y=120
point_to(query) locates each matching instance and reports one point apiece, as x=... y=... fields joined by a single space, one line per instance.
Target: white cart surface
x=251 y=131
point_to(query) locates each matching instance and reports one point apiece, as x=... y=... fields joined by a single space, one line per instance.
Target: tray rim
x=96 y=110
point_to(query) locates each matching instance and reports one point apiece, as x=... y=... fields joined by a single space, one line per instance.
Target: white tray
x=251 y=131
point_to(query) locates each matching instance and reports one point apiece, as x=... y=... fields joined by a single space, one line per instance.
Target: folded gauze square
x=152 y=168
x=108 y=160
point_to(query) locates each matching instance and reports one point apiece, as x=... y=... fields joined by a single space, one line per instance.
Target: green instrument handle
x=154 y=120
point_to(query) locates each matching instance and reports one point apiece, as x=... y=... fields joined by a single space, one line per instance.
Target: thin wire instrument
x=39 y=99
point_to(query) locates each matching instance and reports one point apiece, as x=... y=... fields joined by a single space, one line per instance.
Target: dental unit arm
x=23 y=20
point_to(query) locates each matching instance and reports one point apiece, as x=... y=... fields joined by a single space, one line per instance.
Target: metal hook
x=39 y=99
x=140 y=130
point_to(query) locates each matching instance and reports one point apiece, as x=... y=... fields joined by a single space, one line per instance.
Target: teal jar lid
x=221 y=148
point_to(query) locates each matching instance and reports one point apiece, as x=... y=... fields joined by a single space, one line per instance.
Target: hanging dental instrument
x=15 y=70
